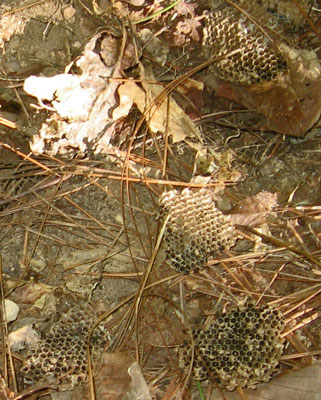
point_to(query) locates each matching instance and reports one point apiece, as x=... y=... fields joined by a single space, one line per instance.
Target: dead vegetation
x=123 y=110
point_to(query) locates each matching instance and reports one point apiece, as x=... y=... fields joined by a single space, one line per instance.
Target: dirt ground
x=80 y=179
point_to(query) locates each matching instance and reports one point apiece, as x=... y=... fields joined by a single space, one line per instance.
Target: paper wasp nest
x=227 y=29
x=60 y=355
x=241 y=348
x=196 y=230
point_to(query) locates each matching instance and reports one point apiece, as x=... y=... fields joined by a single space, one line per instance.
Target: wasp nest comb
x=60 y=355
x=241 y=348
x=196 y=229
x=226 y=30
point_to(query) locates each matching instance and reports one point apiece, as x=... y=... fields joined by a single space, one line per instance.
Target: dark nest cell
x=241 y=348
x=60 y=354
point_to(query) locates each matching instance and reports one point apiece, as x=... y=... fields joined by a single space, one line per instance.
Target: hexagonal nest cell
x=196 y=230
x=227 y=29
x=241 y=348
x=60 y=355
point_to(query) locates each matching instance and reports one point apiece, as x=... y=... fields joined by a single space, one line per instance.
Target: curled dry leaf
x=253 y=210
x=291 y=104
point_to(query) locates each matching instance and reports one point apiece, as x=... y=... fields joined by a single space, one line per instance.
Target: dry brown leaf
x=157 y=49
x=291 y=104
x=188 y=25
x=193 y=91
x=179 y=125
x=253 y=210
x=29 y=294
x=139 y=388
x=113 y=381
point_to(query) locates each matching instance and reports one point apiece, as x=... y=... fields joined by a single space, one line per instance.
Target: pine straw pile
x=86 y=249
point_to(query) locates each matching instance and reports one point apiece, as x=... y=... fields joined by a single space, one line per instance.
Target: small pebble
x=11 y=310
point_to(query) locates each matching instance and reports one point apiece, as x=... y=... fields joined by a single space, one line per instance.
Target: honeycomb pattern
x=196 y=229
x=60 y=355
x=241 y=348
x=226 y=29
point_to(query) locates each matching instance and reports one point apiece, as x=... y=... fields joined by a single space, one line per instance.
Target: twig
x=25 y=7
x=282 y=243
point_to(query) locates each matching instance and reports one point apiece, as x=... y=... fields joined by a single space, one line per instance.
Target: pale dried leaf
x=127 y=92
x=120 y=378
x=82 y=104
x=22 y=338
x=139 y=388
x=253 y=210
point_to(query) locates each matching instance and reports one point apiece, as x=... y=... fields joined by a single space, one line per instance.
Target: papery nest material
x=281 y=83
x=291 y=104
